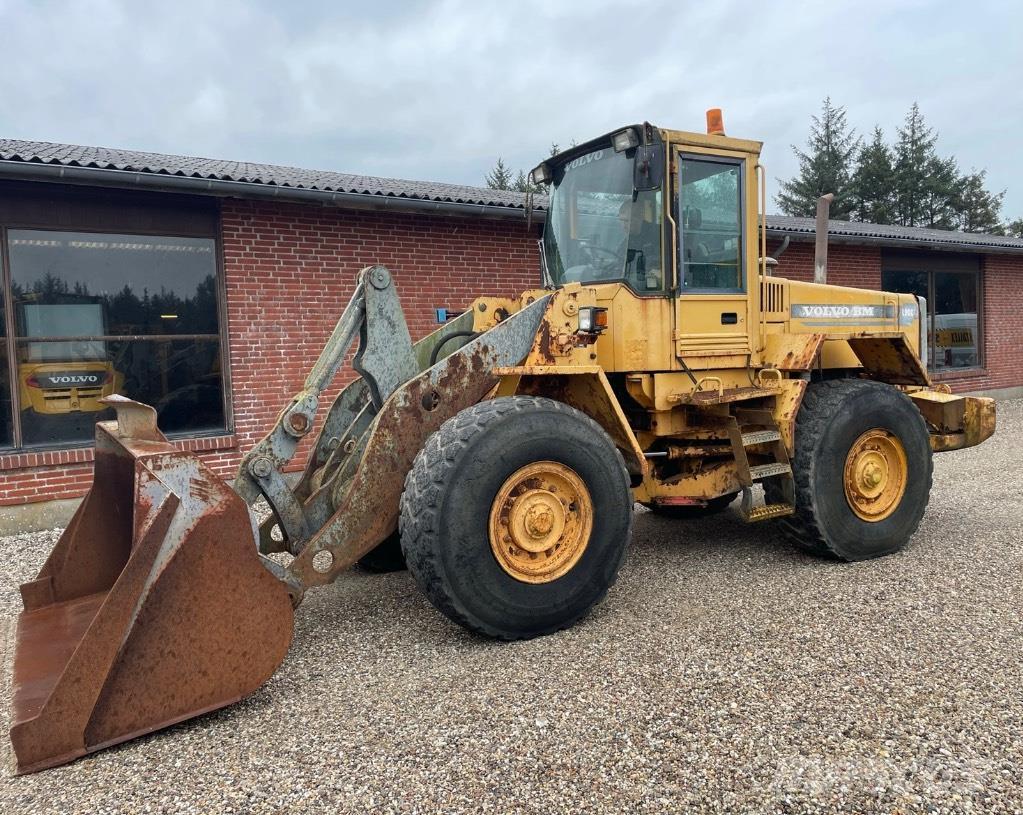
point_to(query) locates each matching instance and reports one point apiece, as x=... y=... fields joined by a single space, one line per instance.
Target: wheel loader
x=657 y=362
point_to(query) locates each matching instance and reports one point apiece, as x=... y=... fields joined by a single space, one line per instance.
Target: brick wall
x=858 y=266
x=289 y=270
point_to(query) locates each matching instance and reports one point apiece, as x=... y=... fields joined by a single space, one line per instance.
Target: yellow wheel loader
x=657 y=362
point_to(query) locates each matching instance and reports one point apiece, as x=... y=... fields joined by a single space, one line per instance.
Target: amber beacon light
x=715 y=122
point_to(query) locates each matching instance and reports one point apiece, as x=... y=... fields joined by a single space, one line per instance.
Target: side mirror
x=648 y=167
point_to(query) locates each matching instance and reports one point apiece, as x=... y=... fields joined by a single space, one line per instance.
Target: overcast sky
x=437 y=90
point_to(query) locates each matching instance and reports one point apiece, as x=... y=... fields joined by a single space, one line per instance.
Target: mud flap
x=152 y=608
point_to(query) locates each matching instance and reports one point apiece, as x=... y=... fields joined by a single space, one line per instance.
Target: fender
x=584 y=387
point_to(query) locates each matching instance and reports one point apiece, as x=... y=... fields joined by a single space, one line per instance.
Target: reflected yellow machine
x=501 y=457
x=57 y=376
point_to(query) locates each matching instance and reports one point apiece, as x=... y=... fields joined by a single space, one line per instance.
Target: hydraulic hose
x=435 y=353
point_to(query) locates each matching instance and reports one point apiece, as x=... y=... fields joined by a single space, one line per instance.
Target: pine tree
x=1014 y=229
x=824 y=167
x=872 y=191
x=977 y=209
x=500 y=178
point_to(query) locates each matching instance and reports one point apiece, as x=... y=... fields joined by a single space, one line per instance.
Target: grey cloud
x=438 y=90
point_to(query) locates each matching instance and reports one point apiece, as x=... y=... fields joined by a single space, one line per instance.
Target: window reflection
x=954 y=335
x=710 y=219
x=955 y=320
x=97 y=314
x=600 y=230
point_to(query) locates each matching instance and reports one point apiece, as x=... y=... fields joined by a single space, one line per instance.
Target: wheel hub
x=536 y=520
x=875 y=475
x=540 y=522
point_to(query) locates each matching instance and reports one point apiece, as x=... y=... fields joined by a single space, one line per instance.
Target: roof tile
x=72 y=155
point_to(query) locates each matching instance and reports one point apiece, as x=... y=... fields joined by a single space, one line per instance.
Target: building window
x=953 y=315
x=94 y=314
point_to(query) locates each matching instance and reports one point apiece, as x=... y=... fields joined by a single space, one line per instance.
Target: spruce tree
x=940 y=193
x=977 y=209
x=825 y=166
x=918 y=197
x=500 y=178
x=523 y=183
x=872 y=189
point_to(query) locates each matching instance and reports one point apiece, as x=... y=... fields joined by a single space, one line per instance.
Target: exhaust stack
x=820 y=261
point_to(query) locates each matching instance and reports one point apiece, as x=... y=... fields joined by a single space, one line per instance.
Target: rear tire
x=459 y=488
x=682 y=513
x=834 y=419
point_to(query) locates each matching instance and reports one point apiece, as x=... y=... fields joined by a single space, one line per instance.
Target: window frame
x=11 y=340
x=712 y=158
x=932 y=312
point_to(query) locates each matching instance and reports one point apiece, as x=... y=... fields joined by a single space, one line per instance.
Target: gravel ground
x=725 y=672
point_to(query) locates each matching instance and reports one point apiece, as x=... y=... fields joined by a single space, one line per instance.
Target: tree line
x=125 y=312
x=502 y=177
x=906 y=182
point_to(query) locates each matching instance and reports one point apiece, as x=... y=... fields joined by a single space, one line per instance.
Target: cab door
x=712 y=306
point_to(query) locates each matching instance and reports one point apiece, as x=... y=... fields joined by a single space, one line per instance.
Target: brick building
x=207 y=288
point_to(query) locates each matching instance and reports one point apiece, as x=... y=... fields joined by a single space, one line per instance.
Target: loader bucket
x=153 y=607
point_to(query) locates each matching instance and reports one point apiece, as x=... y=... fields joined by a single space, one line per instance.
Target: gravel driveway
x=725 y=672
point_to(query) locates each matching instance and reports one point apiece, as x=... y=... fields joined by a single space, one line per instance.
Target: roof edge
x=910 y=241
x=159 y=182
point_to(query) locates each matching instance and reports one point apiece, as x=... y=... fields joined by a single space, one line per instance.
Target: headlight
x=592 y=320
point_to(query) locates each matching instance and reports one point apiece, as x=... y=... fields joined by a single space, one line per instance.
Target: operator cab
x=606 y=216
x=665 y=215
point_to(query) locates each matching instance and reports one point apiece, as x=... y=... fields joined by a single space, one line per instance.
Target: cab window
x=710 y=219
x=600 y=230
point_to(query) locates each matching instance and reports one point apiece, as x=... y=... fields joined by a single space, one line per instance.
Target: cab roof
x=650 y=134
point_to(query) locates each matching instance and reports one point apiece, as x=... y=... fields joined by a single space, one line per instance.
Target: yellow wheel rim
x=540 y=522
x=875 y=475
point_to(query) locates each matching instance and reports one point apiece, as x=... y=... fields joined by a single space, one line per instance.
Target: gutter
x=158 y=182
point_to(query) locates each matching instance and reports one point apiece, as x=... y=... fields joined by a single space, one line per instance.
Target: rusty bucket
x=152 y=608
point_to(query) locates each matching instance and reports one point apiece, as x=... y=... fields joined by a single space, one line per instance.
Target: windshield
x=597 y=230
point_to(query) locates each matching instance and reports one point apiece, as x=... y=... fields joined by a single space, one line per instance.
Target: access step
x=760 y=437
x=762 y=471
x=768 y=511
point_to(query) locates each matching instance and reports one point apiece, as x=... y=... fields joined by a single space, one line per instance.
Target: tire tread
x=426 y=485
x=820 y=403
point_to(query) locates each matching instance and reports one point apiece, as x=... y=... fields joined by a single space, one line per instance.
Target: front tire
x=862 y=470
x=516 y=516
